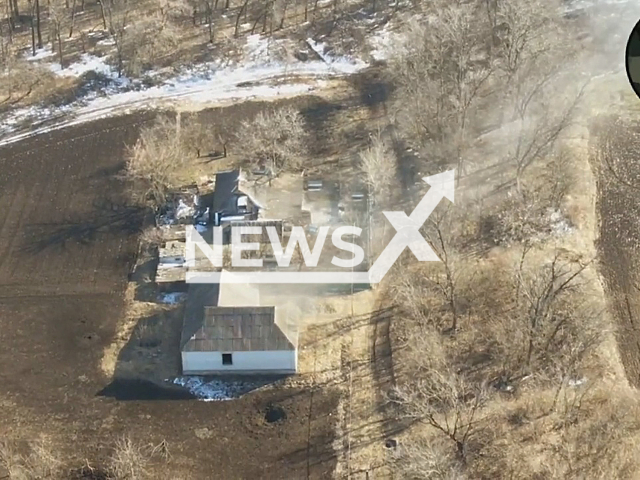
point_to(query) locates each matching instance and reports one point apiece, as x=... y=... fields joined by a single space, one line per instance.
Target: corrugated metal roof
x=209 y=325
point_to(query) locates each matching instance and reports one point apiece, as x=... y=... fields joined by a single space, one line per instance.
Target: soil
x=68 y=240
x=618 y=208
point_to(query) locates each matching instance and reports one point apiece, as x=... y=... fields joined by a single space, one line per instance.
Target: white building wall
x=243 y=362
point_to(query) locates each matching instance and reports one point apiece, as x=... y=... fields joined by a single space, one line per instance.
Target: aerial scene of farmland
x=319 y=239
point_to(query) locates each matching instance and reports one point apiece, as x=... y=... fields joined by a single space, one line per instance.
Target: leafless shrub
x=20 y=80
x=274 y=140
x=129 y=461
x=520 y=221
x=38 y=462
x=428 y=458
x=155 y=162
x=447 y=402
x=536 y=213
x=132 y=461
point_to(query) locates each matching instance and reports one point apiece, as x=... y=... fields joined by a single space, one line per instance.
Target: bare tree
x=273 y=140
x=551 y=328
x=441 y=69
x=209 y=7
x=155 y=162
x=378 y=165
x=445 y=401
x=57 y=21
x=543 y=117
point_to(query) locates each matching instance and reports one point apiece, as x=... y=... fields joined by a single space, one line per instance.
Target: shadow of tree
x=105 y=218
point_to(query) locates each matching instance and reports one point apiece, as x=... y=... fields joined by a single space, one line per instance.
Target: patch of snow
x=172 y=298
x=108 y=42
x=576 y=382
x=41 y=53
x=558 y=223
x=343 y=65
x=260 y=76
x=382 y=43
x=86 y=64
x=216 y=390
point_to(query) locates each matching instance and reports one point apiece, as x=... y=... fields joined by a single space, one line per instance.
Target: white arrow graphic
x=408 y=227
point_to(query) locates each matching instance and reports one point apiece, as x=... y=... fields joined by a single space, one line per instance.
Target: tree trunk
x=242 y=10
x=73 y=18
x=16 y=12
x=33 y=35
x=264 y=21
x=12 y=24
x=39 y=30
x=59 y=35
x=104 y=18
x=284 y=15
x=3 y=53
x=210 y=22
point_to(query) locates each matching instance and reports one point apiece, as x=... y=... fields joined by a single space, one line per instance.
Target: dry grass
x=34 y=461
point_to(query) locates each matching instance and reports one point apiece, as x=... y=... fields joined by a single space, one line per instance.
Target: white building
x=241 y=338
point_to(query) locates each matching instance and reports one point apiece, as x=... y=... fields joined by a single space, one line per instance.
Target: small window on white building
x=243 y=203
x=226 y=359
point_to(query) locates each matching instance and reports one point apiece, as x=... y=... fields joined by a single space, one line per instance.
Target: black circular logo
x=632 y=59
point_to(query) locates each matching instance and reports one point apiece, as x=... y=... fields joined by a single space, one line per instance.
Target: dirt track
x=67 y=241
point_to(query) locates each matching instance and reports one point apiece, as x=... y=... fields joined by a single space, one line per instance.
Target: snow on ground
x=340 y=64
x=217 y=390
x=258 y=76
x=382 y=44
x=86 y=64
x=41 y=53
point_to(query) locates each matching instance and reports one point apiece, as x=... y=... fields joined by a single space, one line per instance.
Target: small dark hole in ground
x=274 y=414
x=391 y=443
